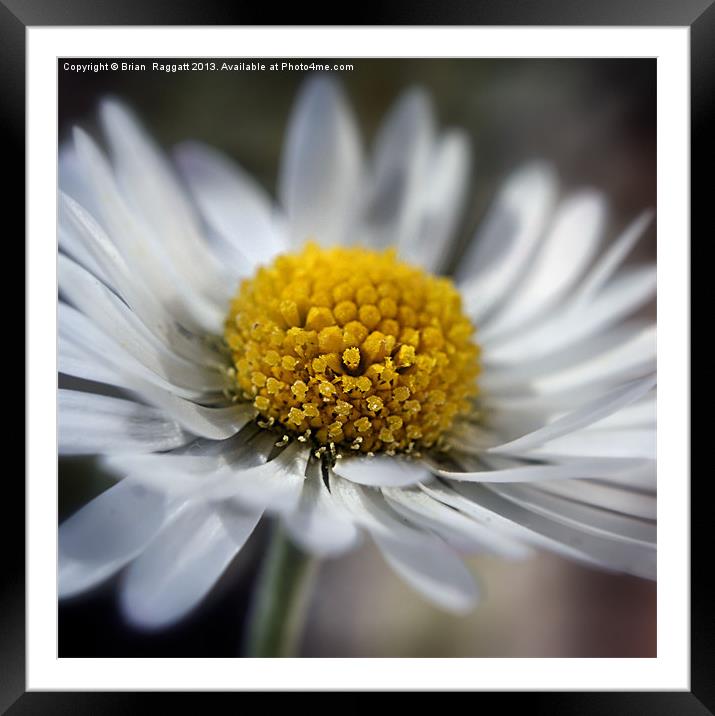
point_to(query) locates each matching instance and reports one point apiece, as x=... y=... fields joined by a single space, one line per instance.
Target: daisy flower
x=308 y=359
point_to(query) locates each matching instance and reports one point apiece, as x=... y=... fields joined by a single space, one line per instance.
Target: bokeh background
x=596 y=121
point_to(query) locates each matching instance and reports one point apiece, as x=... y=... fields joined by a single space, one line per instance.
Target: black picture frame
x=698 y=15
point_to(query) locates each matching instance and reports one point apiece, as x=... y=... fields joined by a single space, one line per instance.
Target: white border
x=670 y=670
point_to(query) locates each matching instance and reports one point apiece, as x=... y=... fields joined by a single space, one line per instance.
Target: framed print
x=356 y=355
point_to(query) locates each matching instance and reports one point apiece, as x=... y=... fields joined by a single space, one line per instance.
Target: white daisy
x=339 y=384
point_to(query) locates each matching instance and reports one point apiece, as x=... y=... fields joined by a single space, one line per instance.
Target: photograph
x=356 y=357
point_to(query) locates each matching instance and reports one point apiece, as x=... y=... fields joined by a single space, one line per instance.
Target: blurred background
x=595 y=120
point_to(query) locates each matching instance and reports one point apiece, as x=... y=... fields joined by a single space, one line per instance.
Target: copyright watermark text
x=207 y=66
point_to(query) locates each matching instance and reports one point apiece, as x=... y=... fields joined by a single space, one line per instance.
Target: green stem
x=280 y=598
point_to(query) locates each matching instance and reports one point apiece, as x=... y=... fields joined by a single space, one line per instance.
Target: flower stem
x=280 y=598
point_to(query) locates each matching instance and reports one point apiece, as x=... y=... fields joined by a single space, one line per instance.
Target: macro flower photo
x=357 y=361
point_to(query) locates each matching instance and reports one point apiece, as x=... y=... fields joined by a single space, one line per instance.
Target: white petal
x=139 y=245
x=89 y=234
x=357 y=501
x=71 y=178
x=213 y=423
x=626 y=293
x=91 y=423
x=628 y=359
x=425 y=561
x=149 y=183
x=510 y=378
x=527 y=401
x=181 y=565
x=87 y=352
x=611 y=260
x=508 y=526
x=423 y=510
x=643 y=478
x=561 y=257
x=443 y=193
x=433 y=569
x=321 y=165
x=318 y=524
x=556 y=536
x=115 y=271
x=586 y=415
x=638 y=415
x=232 y=203
x=275 y=485
x=506 y=241
x=181 y=475
x=402 y=156
x=83 y=366
x=574 y=470
x=106 y=534
x=111 y=314
x=382 y=471
x=581 y=516
x=218 y=470
x=627 y=499
x=619 y=443
x=71 y=244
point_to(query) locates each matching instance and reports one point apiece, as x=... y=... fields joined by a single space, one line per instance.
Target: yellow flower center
x=352 y=349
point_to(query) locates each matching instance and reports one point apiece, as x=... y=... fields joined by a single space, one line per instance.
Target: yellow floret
x=330 y=340
x=354 y=348
x=351 y=358
x=319 y=317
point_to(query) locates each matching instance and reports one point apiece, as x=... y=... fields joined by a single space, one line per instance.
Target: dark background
x=596 y=121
